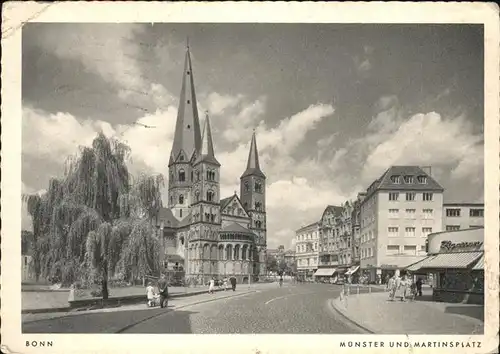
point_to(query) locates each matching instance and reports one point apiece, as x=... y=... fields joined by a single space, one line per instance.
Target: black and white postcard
x=279 y=177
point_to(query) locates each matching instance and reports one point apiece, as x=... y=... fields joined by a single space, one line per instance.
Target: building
x=289 y=257
x=307 y=250
x=459 y=216
x=203 y=233
x=277 y=253
x=328 y=243
x=456 y=261
x=399 y=211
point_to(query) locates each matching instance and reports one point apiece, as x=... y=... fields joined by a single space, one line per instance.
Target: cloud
x=218 y=103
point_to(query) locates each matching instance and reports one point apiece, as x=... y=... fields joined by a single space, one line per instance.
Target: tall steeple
x=206 y=153
x=253 y=167
x=187 y=138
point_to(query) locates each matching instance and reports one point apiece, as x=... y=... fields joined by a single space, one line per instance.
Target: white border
x=14 y=14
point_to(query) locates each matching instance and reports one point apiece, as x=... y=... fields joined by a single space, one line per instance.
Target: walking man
x=233 y=283
x=163 y=289
x=419 y=286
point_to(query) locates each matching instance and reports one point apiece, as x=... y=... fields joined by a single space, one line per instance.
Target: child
x=150 y=291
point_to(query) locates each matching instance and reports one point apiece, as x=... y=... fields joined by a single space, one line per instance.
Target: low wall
x=457 y=296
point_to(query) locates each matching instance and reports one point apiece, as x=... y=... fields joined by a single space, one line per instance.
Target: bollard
x=357 y=289
x=369 y=289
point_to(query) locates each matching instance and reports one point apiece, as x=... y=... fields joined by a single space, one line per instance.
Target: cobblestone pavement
x=379 y=315
x=294 y=308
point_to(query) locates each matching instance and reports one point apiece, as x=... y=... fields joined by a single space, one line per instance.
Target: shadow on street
x=476 y=312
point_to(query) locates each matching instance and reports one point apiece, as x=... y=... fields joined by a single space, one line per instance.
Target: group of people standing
x=160 y=297
x=213 y=282
x=404 y=287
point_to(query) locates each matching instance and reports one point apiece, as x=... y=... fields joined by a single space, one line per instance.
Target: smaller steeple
x=206 y=152
x=253 y=167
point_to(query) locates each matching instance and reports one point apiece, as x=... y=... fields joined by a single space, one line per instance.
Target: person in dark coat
x=233 y=283
x=419 y=286
x=163 y=290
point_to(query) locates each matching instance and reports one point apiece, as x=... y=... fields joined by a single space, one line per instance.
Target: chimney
x=427 y=170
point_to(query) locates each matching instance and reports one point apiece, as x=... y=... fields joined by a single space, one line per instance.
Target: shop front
x=325 y=275
x=455 y=262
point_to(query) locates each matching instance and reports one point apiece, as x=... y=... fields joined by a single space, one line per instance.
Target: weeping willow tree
x=94 y=222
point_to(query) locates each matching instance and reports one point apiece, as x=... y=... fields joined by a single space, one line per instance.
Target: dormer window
x=181 y=158
x=422 y=179
x=408 y=179
x=395 y=179
x=188 y=101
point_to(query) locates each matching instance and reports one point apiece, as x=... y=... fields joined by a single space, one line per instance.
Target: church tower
x=187 y=142
x=253 y=197
x=205 y=206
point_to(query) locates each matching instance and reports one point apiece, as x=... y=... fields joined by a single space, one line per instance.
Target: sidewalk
x=173 y=304
x=376 y=314
x=57 y=301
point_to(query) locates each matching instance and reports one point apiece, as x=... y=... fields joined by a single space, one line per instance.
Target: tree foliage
x=96 y=222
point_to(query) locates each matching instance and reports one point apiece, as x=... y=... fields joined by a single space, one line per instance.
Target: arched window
x=212 y=217
x=171 y=200
x=244 y=252
x=181 y=158
x=213 y=175
x=210 y=196
x=206 y=252
x=182 y=176
x=258 y=224
x=247 y=186
x=181 y=199
x=257 y=206
x=191 y=176
x=258 y=186
x=221 y=252
x=237 y=252
x=197 y=175
x=180 y=213
x=229 y=252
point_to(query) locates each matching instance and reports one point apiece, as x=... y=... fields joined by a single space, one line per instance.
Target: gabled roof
x=385 y=183
x=166 y=216
x=335 y=209
x=229 y=200
x=186 y=221
x=236 y=228
x=253 y=166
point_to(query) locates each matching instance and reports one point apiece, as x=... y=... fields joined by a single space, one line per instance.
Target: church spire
x=206 y=152
x=253 y=167
x=187 y=138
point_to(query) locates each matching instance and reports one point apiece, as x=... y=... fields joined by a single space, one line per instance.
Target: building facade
x=399 y=211
x=307 y=250
x=328 y=237
x=459 y=216
x=203 y=233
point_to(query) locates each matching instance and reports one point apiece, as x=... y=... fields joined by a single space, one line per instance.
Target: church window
x=181 y=199
x=171 y=200
x=229 y=252
x=197 y=195
x=245 y=205
x=180 y=213
x=247 y=186
x=212 y=218
x=182 y=176
x=244 y=253
x=197 y=175
x=182 y=241
x=258 y=224
x=258 y=186
x=210 y=196
x=188 y=101
x=191 y=176
x=187 y=72
x=257 y=206
x=189 y=127
x=207 y=217
x=181 y=158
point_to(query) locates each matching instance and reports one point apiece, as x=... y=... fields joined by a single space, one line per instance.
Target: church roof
x=236 y=228
x=186 y=221
x=206 y=153
x=224 y=202
x=187 y=138
x=166 y=216
x=253 y=166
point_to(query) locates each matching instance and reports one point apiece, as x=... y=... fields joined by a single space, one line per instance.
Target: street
x=294 y=308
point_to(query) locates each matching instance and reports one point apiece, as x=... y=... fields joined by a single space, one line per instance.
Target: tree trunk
x=104 y=285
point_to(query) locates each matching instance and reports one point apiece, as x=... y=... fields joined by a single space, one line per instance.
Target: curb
x=131 y=300
x=348 y=319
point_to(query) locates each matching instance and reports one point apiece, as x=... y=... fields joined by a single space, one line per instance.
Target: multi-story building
x=328 y=251
x=343 y=238
x=459 y=216
x=306 y=249
x=399 y=210
x=356 y=228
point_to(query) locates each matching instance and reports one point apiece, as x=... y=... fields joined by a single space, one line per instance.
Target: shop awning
x=480 y=264
x=325 y=272
x=450 y=260
x=417 y=265
x=352 y=270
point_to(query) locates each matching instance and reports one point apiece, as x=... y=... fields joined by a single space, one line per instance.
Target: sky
x=333 y=105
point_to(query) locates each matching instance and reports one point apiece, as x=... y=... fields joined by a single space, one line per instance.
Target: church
x=204 y=234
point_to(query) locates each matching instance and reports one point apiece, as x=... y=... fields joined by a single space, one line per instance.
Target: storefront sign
x=449 y=247
x=388 y=266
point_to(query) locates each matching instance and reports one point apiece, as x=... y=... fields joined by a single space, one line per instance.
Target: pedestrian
x=211 y=286
x=404 y=288
x=233 y=283
x=150 y=293
x=419 y=286
x=391 y=285
x=225 y=283
x=163 y=290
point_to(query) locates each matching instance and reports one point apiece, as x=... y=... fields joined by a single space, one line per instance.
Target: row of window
x=410 y=196
x=236 y=237
x=456 y=212
x=411 y=213
x=396 y=179
x=407 y=250
x=457 y=227
x=308 y=236
x=308 y=261
x=181 y=175
x=308 y=247
x=257 y=186
x=393 y=231
x=214 y=253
